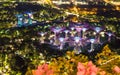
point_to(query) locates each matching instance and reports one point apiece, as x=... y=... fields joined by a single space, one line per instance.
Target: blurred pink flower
x=81 y=69
x=93 y=73
x=43 y=69
x=116 y=69
x=90 y=69
x=93 y=69
x=90 y=64
x=80 y=66
x=49 y=72
x=80 y=73
x=37 y=72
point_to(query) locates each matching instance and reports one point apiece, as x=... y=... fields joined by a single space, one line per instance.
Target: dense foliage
x=21 y=51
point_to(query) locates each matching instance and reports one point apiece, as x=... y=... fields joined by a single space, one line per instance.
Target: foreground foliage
x=107 y=63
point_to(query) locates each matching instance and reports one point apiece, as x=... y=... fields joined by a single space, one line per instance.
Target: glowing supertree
x=77 y=36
